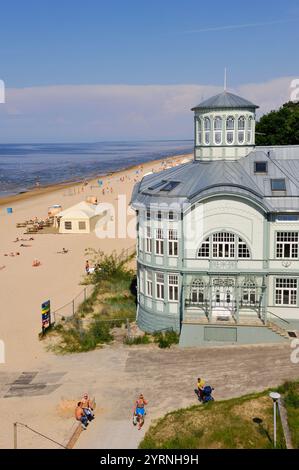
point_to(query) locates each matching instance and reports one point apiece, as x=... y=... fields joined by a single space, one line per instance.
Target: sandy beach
x=22 y=290
x=22 y=287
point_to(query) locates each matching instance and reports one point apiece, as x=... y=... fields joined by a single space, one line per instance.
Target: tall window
x=160 y=286
x=159 y=242
x=173 y=287
x=207 y=124
x=199 y=131
x=197 y=292
x=224 y=245
x=249 y=293
x=286 y=291
x=172 y=215
x=149 y=283
x=172 y=242
x=230 y=127
x=241 y=129
x=148 y=240
x=141 y=280
x=287 y=244
x=249 y=130
x=218 y=130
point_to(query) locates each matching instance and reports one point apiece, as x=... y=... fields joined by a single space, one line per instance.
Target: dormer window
x=278 y=184
x=261 y=167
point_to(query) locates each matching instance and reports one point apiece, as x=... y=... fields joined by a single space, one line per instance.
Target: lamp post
x=275 y=397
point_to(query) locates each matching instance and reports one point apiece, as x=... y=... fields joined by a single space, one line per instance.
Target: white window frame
x=217 y=129
x=207 y=131
x=68 y=225
x=287 y=242
x=159 y=242
x=286 y=288
x=149 y=283
x=173 y=287
x=160 y=286
x=249 y=129
x=241 y=130
x=148 y=241
x=173 y=244
x=230 y=129
x=199 y=131
x=220 y=244
x=141 y=280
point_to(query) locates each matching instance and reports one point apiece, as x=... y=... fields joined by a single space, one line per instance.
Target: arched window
x=207 y=127
x=223 y=245
x=199 y=131
x=241 y=130
x=197 y=292
x=249 y=293
x=230 y=127
x=218 y=130
x=249 y=130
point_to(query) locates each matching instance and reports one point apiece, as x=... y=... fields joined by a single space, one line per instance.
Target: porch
x=225 y=300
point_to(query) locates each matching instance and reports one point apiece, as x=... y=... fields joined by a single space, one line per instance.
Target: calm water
x=23 y=165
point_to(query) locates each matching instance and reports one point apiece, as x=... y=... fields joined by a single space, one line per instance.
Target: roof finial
x=225 y=79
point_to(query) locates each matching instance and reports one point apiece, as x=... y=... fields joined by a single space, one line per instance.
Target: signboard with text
x=46 y=315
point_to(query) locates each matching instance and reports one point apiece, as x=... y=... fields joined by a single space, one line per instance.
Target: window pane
x=278 y=184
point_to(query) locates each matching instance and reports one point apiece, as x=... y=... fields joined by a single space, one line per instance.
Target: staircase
x=278 y=325
x=277 y=329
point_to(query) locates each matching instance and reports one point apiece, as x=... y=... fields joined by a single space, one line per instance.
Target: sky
x=112 y=70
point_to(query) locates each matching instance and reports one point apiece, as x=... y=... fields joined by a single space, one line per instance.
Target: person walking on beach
x=80 y=416
x=87 y=267
x=139 y=410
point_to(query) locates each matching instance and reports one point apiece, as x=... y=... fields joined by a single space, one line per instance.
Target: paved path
x=116 y=374
x=167 y=379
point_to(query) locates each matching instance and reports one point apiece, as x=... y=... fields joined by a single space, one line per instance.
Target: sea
x=23 y=166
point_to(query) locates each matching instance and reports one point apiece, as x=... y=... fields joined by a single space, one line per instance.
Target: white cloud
x=115 y=112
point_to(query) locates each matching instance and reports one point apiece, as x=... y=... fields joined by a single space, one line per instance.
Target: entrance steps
x=278 y=330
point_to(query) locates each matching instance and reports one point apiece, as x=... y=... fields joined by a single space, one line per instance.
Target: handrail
x=277 y=316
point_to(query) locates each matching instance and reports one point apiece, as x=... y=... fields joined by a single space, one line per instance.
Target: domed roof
x=225 y=100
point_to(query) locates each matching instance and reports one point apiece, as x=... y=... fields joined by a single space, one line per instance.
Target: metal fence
x=68 y=310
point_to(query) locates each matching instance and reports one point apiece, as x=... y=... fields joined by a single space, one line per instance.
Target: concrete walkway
x=116 y=374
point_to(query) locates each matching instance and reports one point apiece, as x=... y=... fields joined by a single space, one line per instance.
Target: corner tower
x=224 y=127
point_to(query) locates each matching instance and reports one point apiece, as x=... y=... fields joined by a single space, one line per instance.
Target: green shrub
x=166 y=339
x=145 y=339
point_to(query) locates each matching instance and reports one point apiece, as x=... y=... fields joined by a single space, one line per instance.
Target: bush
x=145 y=339
x=75 y=339
x=166 y=339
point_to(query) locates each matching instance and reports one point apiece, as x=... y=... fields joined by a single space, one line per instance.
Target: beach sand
x=22 y=287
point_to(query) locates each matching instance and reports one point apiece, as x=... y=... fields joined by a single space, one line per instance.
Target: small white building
x=80 y=218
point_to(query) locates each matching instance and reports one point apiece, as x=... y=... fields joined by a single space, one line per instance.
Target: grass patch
x=239 y=423
x=290 y=392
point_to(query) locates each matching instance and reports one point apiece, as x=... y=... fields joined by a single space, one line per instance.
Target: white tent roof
x=82 y=210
